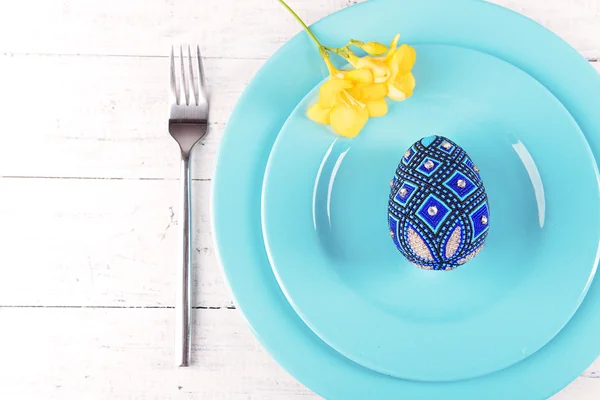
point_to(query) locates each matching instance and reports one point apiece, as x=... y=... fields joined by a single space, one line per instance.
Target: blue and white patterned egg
x=438 y=208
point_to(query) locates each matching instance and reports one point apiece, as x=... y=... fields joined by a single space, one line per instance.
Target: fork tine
x=186 y=90
x=174 y=91
x=192 y=82
x=201 y=81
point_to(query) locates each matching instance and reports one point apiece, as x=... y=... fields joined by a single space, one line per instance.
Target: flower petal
x=381 y=72
x=406 y=83
x=330 y=67
x=401 y=88
x=318 y=113
x=329 y=91
x=377 y=108
x=401 y=61
x=393 y=46
x=407 y=56
x=394 y=93
x=374 y=48
x=369 y=92
x=361 y=75
x=348 y=120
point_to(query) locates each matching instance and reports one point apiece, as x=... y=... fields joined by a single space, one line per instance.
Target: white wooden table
x=88 y=194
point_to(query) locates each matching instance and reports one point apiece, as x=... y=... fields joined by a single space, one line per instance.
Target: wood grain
x=226 y=28
x=111 y=119
x=126 y=354
x=101 y=243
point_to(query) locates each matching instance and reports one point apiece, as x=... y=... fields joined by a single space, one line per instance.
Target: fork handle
x=183 y=306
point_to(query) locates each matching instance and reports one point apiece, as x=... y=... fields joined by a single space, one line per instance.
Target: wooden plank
x=110 y=120
x=580 y=389
x=229 y=28
x=126 y=354
x=101 y=243
x=225 y=28
x=585 y=387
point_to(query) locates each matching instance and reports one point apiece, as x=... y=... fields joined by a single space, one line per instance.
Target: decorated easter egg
x=438 y=208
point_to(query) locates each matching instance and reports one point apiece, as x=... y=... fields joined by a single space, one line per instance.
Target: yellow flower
x=348 y=98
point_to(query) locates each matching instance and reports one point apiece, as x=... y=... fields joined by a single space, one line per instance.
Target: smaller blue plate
x=325 y=226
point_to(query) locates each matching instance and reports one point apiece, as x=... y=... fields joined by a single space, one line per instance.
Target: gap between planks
x=99 y=178
x=142 y=56
x=102 y=243
x=120 y=307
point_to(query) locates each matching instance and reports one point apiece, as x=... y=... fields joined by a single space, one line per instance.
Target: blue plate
x=251 y=132
x=325 y=224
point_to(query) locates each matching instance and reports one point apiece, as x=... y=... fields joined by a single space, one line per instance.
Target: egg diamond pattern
x=438 y=208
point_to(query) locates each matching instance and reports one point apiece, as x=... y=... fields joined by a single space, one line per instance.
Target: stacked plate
x=301 y=228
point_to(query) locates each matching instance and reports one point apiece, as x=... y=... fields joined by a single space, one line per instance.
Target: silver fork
x=188 y=121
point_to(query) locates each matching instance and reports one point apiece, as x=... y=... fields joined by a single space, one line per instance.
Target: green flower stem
x=343 y=52
x=306 y=28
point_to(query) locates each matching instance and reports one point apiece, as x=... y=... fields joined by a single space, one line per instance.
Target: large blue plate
x=324 y=222
x=254 y=125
